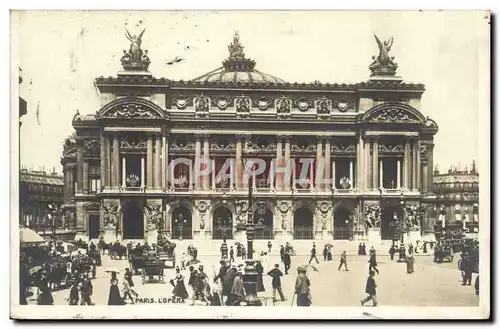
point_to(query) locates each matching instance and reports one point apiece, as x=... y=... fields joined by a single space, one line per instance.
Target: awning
x=28 y=236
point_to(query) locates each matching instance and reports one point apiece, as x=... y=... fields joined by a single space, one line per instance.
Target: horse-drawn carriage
x=152 y=268
x=443 y=253
x=136 y=261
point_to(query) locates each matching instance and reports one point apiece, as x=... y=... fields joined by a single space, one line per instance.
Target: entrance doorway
x=94 y=226
x=133 y=220
x=342 y=224
x=391 y=215
x=182 y=223
x=222 y=224
x=264 y=218
x=303 y=224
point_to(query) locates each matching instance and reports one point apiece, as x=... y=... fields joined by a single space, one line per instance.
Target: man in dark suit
x=276 y=274
x=282 y=252
x=371 y=290
x=287 y=261
x=343 y=260
x=373 y=262
x=313 y=254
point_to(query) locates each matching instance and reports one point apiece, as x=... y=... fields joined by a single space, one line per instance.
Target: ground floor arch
x=342 y=223
x=182 y=223
x=264 y=218
x=133 y=220
x=303 y=224
x=222 y=224
x=390 y=216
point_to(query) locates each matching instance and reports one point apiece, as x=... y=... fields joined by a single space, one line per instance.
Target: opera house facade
x=176 y=156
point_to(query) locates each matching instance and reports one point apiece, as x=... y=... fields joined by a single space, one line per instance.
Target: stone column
x=279 y=164
x=375 y=171
x=406 y=165
x=158 y=170
x=66 y=184
x=191 y=173
x=351 y=172
x=102 y=161
x=206 y=158
x=197 y=157
x=149 y=163
x=238 y=165
x=294 y=176
x=214 y=176
x=359 y=163
x=116 y=160
x=288 y=161
x=430 y=166
x=418 y=166
x=367 y=160
x=311 y=176
x=381 y=174
x=319 y=156
x=164 y=162
x=328 y=164
x=109 y=175
x=425 y=188
x=143 y=172
x=414 y=184
x=334 y=175
x=124 y=171
x=398 y=177
x=79 y=171
x=71 y=179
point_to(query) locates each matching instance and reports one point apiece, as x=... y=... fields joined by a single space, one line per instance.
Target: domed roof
x=238 y=69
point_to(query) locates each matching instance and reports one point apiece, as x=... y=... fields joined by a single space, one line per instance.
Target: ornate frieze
x=133 y=144
x=343 y=105
x=424 y=152
x=324 y=106
x=303 y=148
x=201 y=105
x=262 y=147
x=91 y=147
x=131 y=110
x=303 y=104
x=284 y=208
x=262 y=103
x=181 y=102
x=202 y=207
x=222 y=103
x=283 y=107
x=394 y=115
x=390 y=148
x=181 y=145
x=222 y=145
x=342 y=148
x=324 y=208
x=242 y=105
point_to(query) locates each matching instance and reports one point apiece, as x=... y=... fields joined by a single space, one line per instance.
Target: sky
x=62 y=52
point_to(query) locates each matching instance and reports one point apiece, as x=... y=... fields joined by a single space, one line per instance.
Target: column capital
x=201 y=135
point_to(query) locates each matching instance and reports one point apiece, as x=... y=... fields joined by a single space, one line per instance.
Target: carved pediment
x=131 y=108
x=393 y=113
x=343 y=148
x=390 y=148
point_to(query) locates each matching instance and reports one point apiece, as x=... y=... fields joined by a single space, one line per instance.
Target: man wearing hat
x=86 y=291
x=227 y=283
x=276 y=274
x=302 y=285
x=370 y=290
x=237 y=290
x=287 y=261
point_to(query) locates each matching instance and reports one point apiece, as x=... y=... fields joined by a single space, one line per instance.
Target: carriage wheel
x=459 y=264
x=143 y=278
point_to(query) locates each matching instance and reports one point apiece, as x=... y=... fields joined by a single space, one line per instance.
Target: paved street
x=430 y=285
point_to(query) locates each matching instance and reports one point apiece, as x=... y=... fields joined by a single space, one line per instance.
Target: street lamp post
x=54 y=212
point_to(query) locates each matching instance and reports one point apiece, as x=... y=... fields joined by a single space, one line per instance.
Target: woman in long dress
x=114 y=294
x=260 y=280
x=179 y=287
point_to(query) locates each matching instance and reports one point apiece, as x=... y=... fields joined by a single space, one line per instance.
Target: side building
x=130 y=168
x=457 y=200
x=40 y=193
